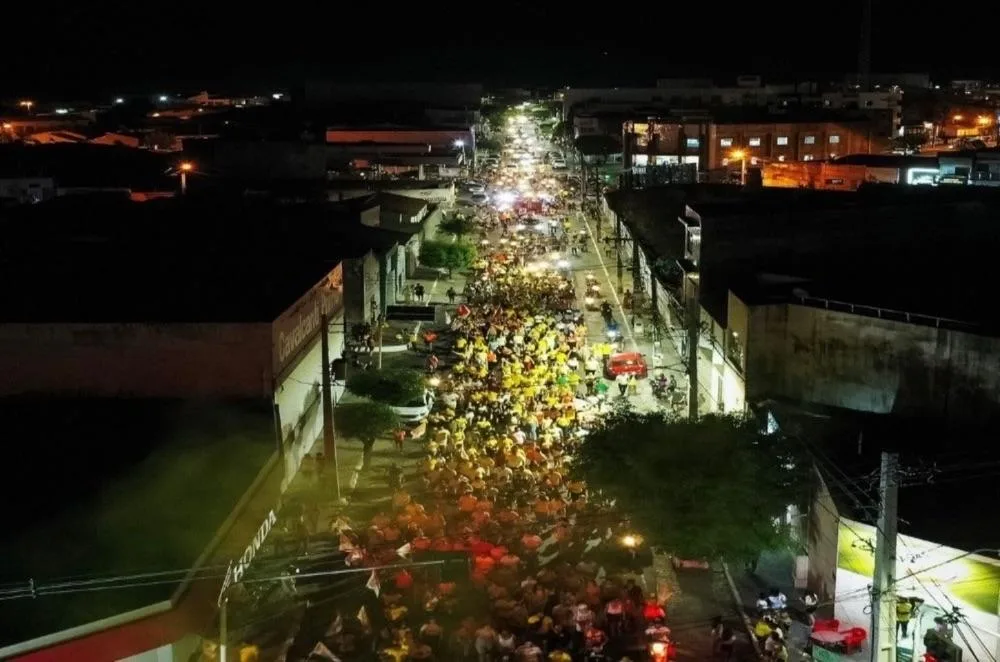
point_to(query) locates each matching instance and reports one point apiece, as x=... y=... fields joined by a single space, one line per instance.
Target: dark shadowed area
x=116 y=488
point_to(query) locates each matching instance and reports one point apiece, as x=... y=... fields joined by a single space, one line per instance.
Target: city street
x=509 y=401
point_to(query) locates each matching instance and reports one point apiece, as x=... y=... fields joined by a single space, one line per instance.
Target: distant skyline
x=119 y=47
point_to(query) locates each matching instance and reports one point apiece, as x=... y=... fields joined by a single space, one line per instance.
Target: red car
x=626 y=363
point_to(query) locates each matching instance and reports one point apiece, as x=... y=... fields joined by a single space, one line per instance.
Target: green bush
x=450 y=256
x=393 y=387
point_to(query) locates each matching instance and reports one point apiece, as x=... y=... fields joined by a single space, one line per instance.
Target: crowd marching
x=517 y=385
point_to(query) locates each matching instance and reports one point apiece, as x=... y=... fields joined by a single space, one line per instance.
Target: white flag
x=373 y=584
x=404 y=551
x=322 y=651
x=336 y=626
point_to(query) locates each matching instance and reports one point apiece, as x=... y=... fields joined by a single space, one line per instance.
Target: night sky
x=114 y=46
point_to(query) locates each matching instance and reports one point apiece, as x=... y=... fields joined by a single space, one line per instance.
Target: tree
x=365 y=421
x=458 y=226
x=450 y=256
x=705 y=489
x=398 y=387
x=598 y=146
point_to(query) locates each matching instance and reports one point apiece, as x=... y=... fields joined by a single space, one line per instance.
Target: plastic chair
x=854 y=637
x=826 y=625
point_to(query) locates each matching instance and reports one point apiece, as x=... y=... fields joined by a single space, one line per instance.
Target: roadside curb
x=742 y=610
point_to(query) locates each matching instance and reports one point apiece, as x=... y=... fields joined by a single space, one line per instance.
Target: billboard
x=941 y=579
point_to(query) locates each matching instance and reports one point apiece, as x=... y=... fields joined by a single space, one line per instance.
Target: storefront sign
x=239 y=567
x=299 y=325
x=305 y=324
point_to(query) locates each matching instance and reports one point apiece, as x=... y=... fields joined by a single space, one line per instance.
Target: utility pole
x=618 y=252
x=884 y=588
x=693 y=324
x=329 y=441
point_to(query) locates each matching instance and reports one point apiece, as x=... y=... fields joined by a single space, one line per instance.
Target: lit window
x=834 y=139
x=782 y=140
x=754 y=142
x=807 y=157
x=809 y=140
x=726 y=142
x=693 y=142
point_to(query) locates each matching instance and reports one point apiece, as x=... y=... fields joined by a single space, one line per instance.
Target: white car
x=558 y=165
x=417 y=410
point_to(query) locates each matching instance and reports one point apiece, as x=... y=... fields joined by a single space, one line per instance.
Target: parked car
x=626 y=363
x=479 y=198
x=417 y=410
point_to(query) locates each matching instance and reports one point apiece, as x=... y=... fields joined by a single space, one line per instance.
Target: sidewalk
x=700 y=596
x=664 y=360
x=774 y=570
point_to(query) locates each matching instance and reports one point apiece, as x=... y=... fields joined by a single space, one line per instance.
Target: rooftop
x=890 y=247
x=951 y=471
x=401 y=203
x=88 y=165
x=159 y=479
x=887 y=160
x=177 y=260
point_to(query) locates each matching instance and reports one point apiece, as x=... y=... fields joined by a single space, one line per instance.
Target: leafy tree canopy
x=445 y=255
x=365 y=420
x=457 y=225
x=711 y=488
x=393 y=387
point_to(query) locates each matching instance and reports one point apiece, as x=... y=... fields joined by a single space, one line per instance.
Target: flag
x=336 y=626
x=404 y=551
x=322 y=651
x=373 y=584
x=363 y=617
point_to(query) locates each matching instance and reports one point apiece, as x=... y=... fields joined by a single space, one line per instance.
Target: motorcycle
x=660 y=386
x=607 y=313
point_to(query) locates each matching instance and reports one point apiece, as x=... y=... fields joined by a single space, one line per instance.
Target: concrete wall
x=148 y=360
x=361 y=283
x=821 y=543
x=841 y=359
x=297 y=398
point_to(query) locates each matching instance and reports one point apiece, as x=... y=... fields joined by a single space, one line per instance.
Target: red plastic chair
x=827 y=625
x=854 y=637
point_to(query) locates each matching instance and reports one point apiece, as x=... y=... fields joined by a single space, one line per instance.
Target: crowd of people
x=495 y=487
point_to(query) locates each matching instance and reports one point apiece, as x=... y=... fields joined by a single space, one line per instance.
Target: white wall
x=938 y=575
x=298 y=403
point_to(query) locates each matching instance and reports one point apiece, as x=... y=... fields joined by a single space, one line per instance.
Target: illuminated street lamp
x=741 y=155
x=27 y=105
x=184 y=168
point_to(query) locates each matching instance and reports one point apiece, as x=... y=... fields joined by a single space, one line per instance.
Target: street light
x=742 y=156
x=184 y=168
x=26 y=105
